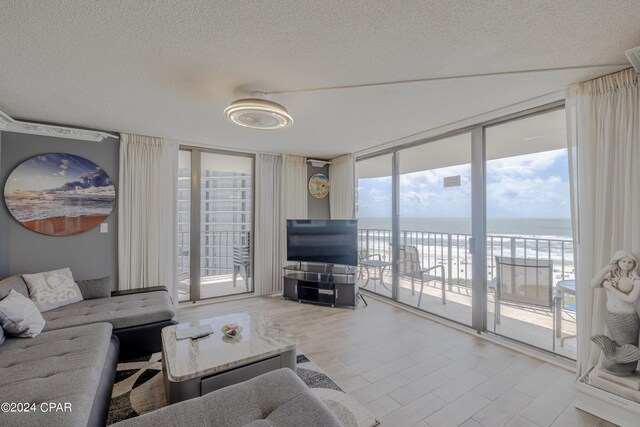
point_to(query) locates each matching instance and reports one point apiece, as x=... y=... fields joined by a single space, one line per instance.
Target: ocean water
x=524 y=238
x=37 y=209
x=546 y=228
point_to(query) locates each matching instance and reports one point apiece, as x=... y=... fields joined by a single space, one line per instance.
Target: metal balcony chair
x=241 y=264
x=410 y=267
x=524 y=281
x=564 y=287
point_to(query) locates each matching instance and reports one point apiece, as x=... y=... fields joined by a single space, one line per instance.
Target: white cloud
x=422 y=194
x=528 y=198
x=528 y=186
x=527 y=164
x=45 y=160
x=64 y=164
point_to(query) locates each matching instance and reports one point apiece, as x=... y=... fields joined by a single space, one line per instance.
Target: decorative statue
x=622 y=285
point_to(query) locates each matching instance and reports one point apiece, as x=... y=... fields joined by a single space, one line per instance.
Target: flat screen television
x=332 y=241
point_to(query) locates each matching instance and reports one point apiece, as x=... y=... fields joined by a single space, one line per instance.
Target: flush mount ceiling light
x=256 y=113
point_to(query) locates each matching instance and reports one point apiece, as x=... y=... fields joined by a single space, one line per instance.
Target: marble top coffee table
x=196 y=367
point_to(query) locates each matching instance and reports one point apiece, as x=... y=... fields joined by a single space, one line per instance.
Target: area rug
x=139 y=389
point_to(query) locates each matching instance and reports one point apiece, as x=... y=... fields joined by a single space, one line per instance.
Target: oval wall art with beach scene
x=59 y=194
x=319 y=186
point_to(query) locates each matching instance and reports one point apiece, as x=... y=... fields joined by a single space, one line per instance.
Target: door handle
x=472 y=245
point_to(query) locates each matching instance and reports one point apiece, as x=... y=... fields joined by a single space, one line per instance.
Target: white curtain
x=147 y=206
x=268 y=225
x=294 y=187
x=343 y=188
x=603 y=117
x=293 y=197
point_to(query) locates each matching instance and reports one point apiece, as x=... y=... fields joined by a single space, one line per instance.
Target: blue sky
x=529 y=186
x=51 y=171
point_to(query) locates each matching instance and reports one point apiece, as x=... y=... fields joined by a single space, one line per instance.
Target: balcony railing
x=216 y=251
x=449 y=249
x=452 y=251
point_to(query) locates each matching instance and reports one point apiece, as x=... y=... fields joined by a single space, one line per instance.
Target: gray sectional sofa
x=65 y=375
x=73 y=361
x=74 y=366
x=137 y=318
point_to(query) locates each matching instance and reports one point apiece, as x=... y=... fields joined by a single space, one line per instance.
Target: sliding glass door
x=435 y=266
x=215 y=212
x=475 y=227
x=531 y=287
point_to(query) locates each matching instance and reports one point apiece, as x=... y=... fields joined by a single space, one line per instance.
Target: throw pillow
x=1 y=335
x=19 y=316
x=14 y=282
x=52 y=289
x=95 y=288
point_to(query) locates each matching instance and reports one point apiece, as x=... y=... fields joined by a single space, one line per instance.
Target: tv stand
x=328 y=284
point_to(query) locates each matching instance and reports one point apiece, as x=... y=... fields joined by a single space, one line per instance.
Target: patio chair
x=241 y=264
x=564 y=287
x=410 y=267
x=524 y=281
x=183 y=285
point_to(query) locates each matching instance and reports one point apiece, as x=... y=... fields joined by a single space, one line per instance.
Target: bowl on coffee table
x=232 y=330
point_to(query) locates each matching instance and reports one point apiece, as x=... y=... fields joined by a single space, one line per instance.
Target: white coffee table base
x=195 y=387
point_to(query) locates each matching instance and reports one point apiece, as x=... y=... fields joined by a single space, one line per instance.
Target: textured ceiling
x=167 y=68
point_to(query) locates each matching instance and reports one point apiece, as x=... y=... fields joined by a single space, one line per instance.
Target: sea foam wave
x=38 y=209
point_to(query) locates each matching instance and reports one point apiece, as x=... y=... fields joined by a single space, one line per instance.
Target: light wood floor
x=531 y=325
x=525 y=323
x=411 y=371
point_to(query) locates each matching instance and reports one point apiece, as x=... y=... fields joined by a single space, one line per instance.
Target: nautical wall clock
x=59 y=194
x=319 y=186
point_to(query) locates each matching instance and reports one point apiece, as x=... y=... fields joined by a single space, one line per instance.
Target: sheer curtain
x=294 y=187
x=343 y=190
x=293 y=197
x=603 y=117
x=147 y=205
x=268 y=225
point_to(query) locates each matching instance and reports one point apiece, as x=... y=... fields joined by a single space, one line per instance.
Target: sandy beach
x=64 y=226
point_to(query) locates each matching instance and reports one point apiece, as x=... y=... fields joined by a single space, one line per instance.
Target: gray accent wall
x=89 y=255
x=317 y=208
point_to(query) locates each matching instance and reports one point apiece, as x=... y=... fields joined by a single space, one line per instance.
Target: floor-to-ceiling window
x=482 y=223
x=184 y=225
x=374 y=212
x=215 y=214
